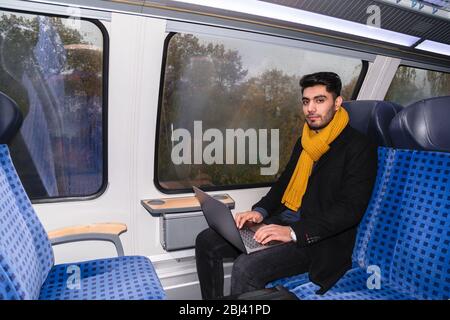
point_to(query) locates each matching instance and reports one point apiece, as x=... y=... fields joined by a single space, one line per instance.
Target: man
x=314 y=207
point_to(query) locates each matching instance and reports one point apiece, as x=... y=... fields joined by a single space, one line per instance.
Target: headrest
x=423 y=126
x=372 y=118
x=10 y=118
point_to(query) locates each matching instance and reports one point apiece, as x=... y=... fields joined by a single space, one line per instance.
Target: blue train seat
x=27 y=269
x=371 y=118
x=404 y=236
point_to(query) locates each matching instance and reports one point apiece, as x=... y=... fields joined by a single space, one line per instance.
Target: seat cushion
x=352 y=286
x=122 y=278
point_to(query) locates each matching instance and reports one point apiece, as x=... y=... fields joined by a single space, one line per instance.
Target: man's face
x=319 y=106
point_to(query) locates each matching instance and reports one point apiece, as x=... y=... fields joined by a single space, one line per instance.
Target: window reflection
x=229 y=84
x=413 y=84
x=53 y=70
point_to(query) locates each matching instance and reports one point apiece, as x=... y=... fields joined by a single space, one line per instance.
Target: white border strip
x=58 y=9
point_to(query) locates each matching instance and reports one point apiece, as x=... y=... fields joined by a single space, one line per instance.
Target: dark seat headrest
x=423 y=125
x=10 y=118
x=372 y=118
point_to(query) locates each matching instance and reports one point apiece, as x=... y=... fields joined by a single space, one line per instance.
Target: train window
x=225 y=106
x=412 y=84
x=53 y=67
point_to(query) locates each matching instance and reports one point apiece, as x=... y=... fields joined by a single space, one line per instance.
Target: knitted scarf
x=314 y=146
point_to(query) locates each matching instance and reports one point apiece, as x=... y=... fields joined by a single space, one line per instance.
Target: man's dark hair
x=329 y=79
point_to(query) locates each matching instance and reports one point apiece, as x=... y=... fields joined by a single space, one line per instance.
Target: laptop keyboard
x=247 y=237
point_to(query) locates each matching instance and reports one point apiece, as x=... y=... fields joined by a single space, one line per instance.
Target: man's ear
x=338 y=102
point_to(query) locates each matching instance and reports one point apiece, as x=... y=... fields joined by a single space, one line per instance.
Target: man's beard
x=318 y=127
x=321 y=126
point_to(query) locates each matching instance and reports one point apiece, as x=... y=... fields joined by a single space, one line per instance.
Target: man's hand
x=272 y=232
x=248 y=216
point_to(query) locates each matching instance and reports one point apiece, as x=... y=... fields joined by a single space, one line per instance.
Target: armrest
x=97 y=231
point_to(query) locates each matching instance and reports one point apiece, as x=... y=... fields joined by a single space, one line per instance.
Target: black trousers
x=250 y=272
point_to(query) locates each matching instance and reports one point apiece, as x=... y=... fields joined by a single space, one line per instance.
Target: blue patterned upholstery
x=421 y=258
x=368 y=224
x=26 y=257
x=40 y=238
x=352 y=286
x=24 y=247
x=289 y=282
x=405 y=232
x=367 y=227
x=122 y=278
x=382 y=217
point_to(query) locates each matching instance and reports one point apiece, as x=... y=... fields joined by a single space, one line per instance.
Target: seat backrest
x=19 y=263
x=378 y=231
x=421 y=261
x=372 y=118
x=26 y=255
x=366 y=226
x=422 y=126
x=10 y=118
x=421 y=258
x=406 y=228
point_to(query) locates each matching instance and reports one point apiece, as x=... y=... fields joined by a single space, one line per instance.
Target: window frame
x=105 y=93
x=358 y=85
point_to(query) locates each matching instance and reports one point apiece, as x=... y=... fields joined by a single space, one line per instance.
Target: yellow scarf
x=314 y=146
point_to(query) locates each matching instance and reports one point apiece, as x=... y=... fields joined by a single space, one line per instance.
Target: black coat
x=334 y=203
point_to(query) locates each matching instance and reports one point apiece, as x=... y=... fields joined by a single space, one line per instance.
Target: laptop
x=220 y=218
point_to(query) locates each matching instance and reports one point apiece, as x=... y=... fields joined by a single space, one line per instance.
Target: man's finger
x=269 y=238
x=267 y=228
x=239 y=221
x=261 y=236
x=242 y=220
x=260 y=232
